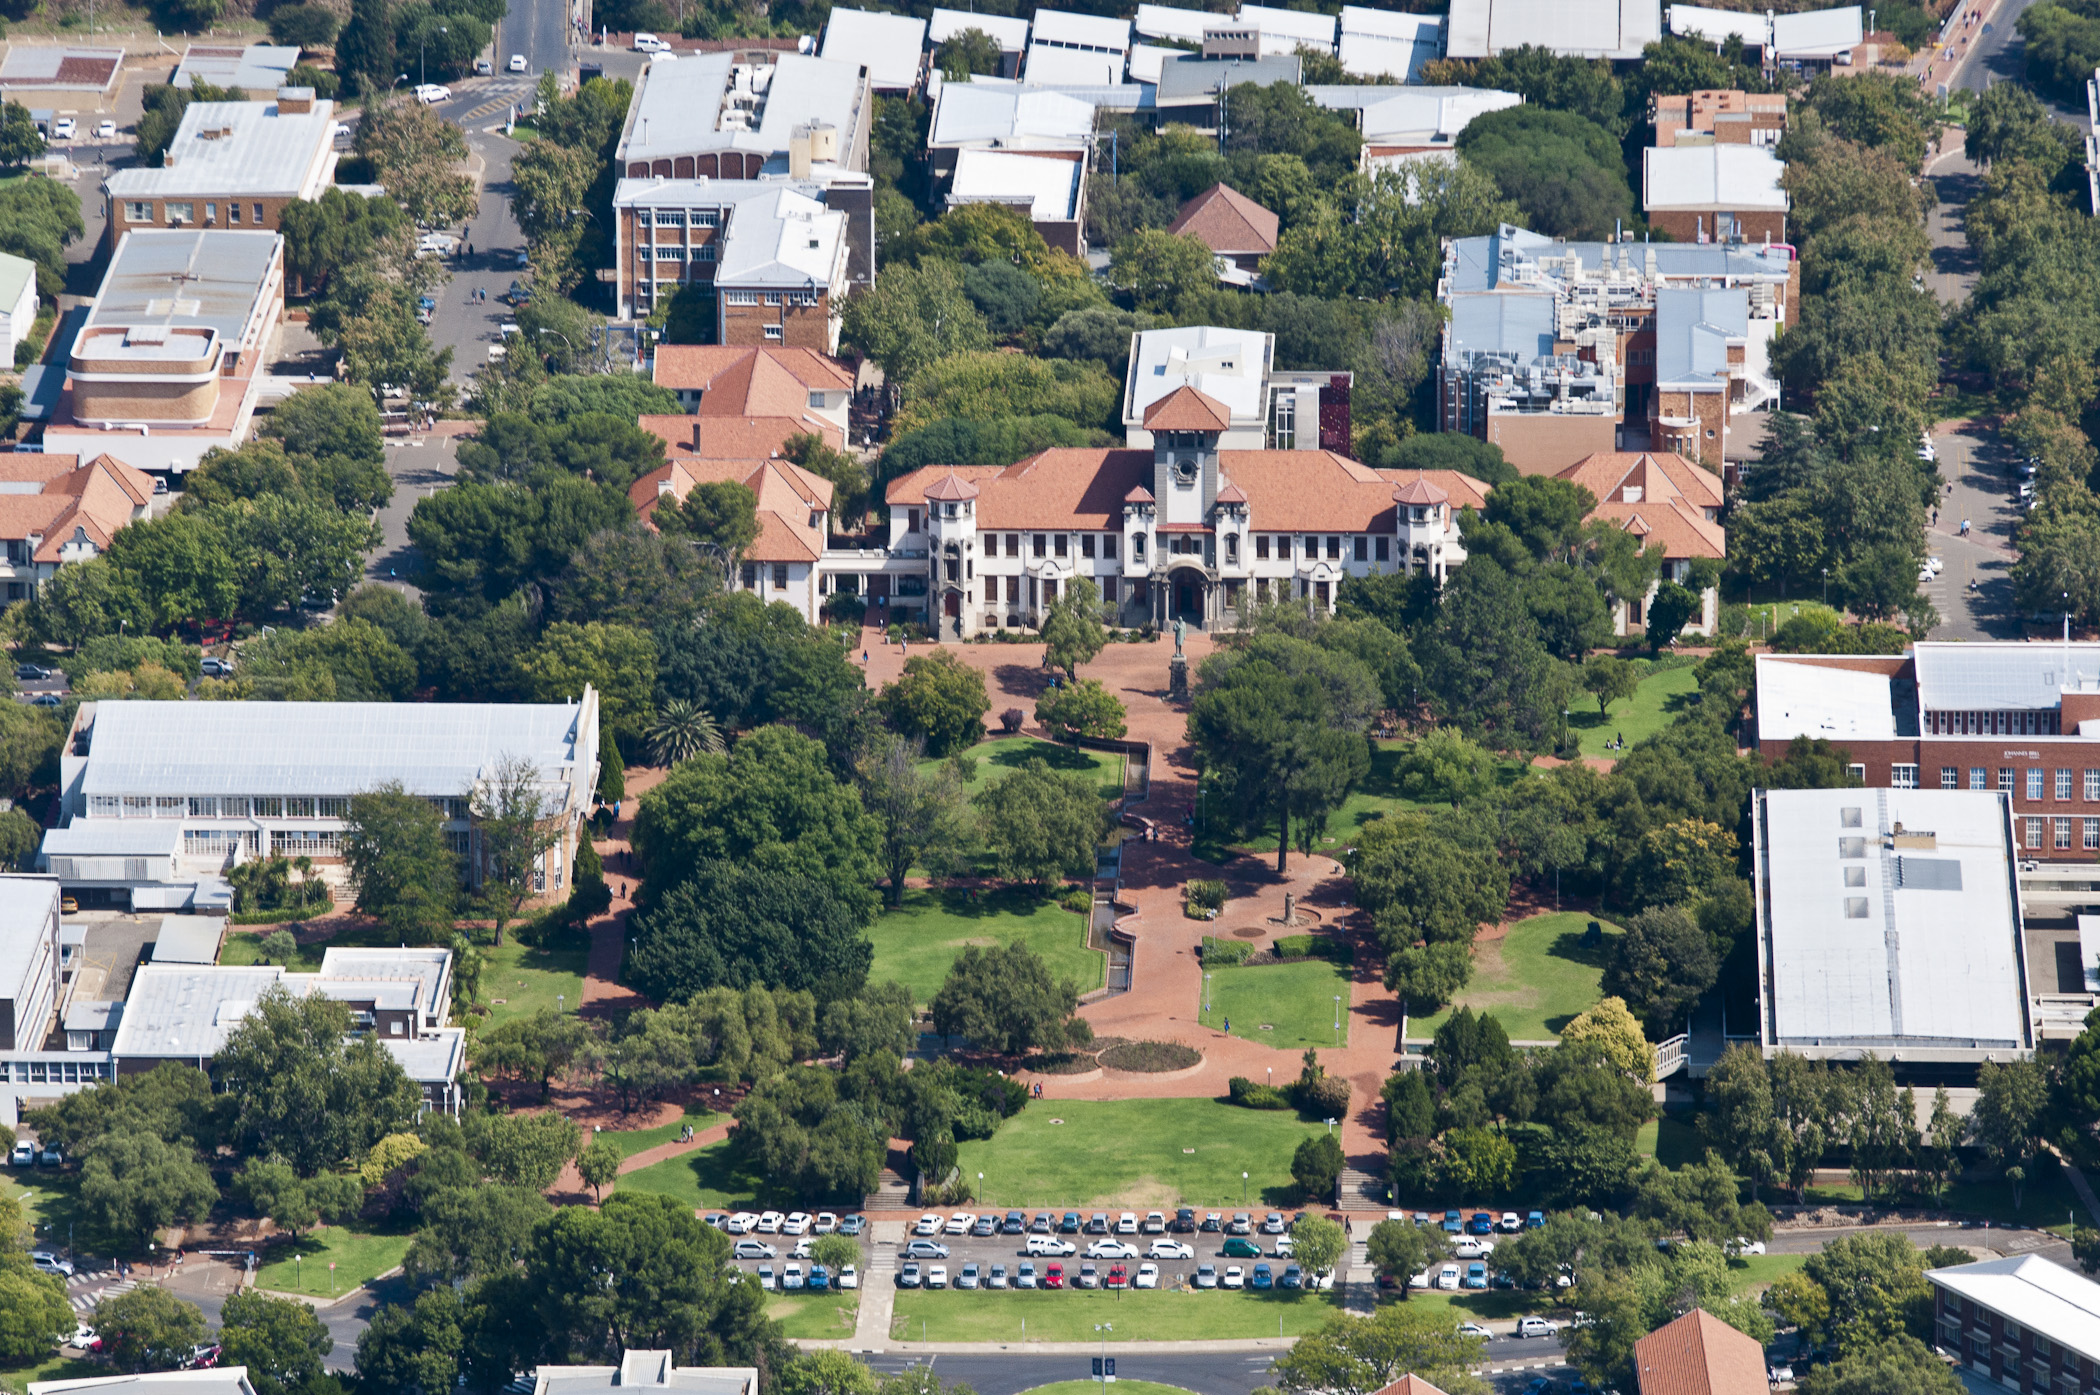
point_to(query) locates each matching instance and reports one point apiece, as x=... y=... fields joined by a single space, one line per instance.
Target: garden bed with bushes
x=1151 y=1057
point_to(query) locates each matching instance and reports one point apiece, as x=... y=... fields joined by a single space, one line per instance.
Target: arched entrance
x=1188 y=596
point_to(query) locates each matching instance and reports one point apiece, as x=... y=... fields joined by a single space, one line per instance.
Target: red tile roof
x=1187 y=409
x=1409 y=1384
x=1228 y=222
x=74 y=503
x=787 y=496
x=755 y=380
x=1419 y=491
x=1659 y=496
x=951 y=486
x=1699 y=1354
x=735 y=438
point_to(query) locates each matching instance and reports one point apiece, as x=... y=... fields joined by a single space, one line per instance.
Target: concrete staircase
x=892 y=1194
x=1362 y=1191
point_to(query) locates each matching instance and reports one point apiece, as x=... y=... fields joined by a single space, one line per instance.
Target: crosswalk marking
x=85 y=1302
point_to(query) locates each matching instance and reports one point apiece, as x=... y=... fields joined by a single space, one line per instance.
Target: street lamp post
x=1243 y=1189
x=1826 y=586
x=980 y=1187
x=560 y=1002
x=1104 y=1328
x=1337 y=1021
x=422 y=49
x=1206 y=993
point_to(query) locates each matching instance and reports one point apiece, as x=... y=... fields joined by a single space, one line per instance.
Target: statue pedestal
x=1177 y=677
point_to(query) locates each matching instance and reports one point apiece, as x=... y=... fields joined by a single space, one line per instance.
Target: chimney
x=696 y=436
x=295 y=101
x=798 y=153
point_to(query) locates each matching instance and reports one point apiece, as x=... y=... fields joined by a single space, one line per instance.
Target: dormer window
x=949 y=511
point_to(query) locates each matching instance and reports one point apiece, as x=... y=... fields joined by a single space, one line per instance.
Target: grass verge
x=1138 y=1154
x=1003 y=755
x=1070 y=1315
x=1654 y=705
x=830 y=1314
x=16 y=1379
x=359 y=1256
x=917 y=942
x=1287 y=1006
x=632 y=1141
x=518 y=980
x=1534 y=980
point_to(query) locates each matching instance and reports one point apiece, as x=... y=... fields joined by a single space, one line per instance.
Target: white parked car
x=517 y=62
x=1235 y=1277
x=1111 y=1249
x=83 y=1338
x=769 y=1222
x=1472 y=1247
x=105 y=130
x=1147 y=1276
x=792 y=1277
x=1286 y=1246
x=341 y=131
x=62 y=129
x=1420 y=1280
x=1742 y=1245
x=797 y=1223
x=937 y=1276
x=1127 y=1223
x=849 y=1277
x=431 y=93
x=960 y=1223
x=1536 y=1327
x=805 y=1247
x=46 y=1262
x=826 y=1222
x=742 y=1223
x=24 y=1155
x=1049 y=1245
x=929 y=1224
x=649 y=43
x=1510 y=1223
x=1447 y=1277
x=1170 y=1249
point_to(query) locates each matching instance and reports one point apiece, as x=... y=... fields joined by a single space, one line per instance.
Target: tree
x=1443 y=767
x=881 y=1020
x=1565 y=172
x=940 y=700
x=418 y=156
x=598 y=1165
x=2010 y=1099
x=743 y=927
x=1158 y=268
x=523 y=1150
x=551 y=185
x=971 y=51
x=133 y=1184
x=1410 y=1109
x=39 y=219
x=1318 y=1244
x=1348 y=1355
x=280 y=1340
x=1080 y=708
x=683 y=729
x=538 y=1046
x=470 y=1228
x=336 y=230
x=1003 y=1000
x=1611 y=679
x=303 y=26
x=401 y=866
x=1040 y=825
x=1428 y=976
x=1875 y=1287
x=723 y=513
x=1478 y=1162
x=1612 y=1027
x=1072 y=630
x=301 y=1090
x=515 y=818
x=1901 y=1363
x=618 y=660
x=1660 y=967
x=148 y=1329
x=915 y=316
x=1317 y=1165
x=20 y=141
x=1403 y=1250
x=35 y=1314
x=1422 y=886
x=1484 y=666
x=365 y=49
x=919 y=809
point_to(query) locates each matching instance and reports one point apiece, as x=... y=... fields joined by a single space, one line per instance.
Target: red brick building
x=2022 y=718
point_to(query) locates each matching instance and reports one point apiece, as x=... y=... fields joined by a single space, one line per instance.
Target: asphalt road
x=540 y=30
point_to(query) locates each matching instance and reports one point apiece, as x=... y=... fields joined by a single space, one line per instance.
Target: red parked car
x=1054 y=1276
x=1118 y=1276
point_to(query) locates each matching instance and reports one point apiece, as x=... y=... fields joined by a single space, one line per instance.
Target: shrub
x=1208 y=894
x=1221 y=953
x=1322 y=1097
x=1010 y=720
x=1326 y=947
x=1151 y=1056
x=1248 y=1095
x=1078 y=900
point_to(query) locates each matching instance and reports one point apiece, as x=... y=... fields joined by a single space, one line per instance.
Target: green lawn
x=16 y=1379
x=817 y=1315
x=1138 y=1154
x=359 y=1256
x=1534 y=980
x=1768 y=615
x=1070 y=1315
x=632 y=1141
x=1287 y=1006
x=916 y=943
x=1759 y=1271
x=2045 y=1204
x=518 y=980
x=1476 y=1305
x=1653 y=706
x=1673 y=1140
x=711 y=1179
x=1002 y=756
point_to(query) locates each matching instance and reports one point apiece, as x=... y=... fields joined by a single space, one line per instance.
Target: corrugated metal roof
x=1726 y=177
x=27 y=907
x=1049 y=66
x=1168 y=22
x=970 y=113
x=115 y=838
x=1229 y=365
x=185 y=276
x=2009 y=676
x=244 y=148
x=1576 y=28
x=1692 y=330
x=1379 y=43
x=891 y=47
x=1716 y=26
x=1798 y=698
x=1189 y=75
x=1091 y=31
x=677 y=108
x=1503 y=323
x=1857 y=960
x=1146 y=61
x=1316 y=30
x=1049 y=185
x=256 y=69
x=1391 y=113
x=781 y=237
x=1011 y=32
x=2045 y=1298
x=1818 y=33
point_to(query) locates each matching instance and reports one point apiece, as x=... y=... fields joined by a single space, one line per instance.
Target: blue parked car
x=1481 y=1224
x=1452 y=1224
x=1476 y=1275
x=1293 y=1276
x=1535 y=1220
x=818 y=1278
x=1263 y=1277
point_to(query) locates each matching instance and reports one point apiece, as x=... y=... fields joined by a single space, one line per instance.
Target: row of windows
x=672 y=252
x=284 y=842
x=181 y=211
x=244 y=806
x=1905 y=777
x=1362 y=548
x=1993 y=723
x=55 y=1072
x=778 y=572
x=677 y=218
x=2059 y=832
x=771 y=297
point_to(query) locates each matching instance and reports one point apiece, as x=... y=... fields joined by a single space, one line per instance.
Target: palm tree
x=681 y=731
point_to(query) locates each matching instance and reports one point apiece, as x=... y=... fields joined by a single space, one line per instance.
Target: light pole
x=560 y=1003
x=1104 y=1328
x=1243 y=1189
x=1206 y=994
x=980 y=1187
x=422 y=66
x=1826 y=586
x=1337 y=1021
x=1330 y=1127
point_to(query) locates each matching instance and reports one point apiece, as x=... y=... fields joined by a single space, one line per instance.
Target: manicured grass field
x=2045 y=1204
x=1138 y=1154
x=1476 y=1305
x=16 y=1379
x=815 y=1315
x=1003 y=755
x=359 y=1256
x=1760 y=1271
x=916 y=943
x=708 y=1179
x=1070 y=1315
x=1287 y=1006
x=1653 y=706
x=1379 y=792
x=1534 y=980
x=632 y=1141
x=518 y=980
x=1673 y=1140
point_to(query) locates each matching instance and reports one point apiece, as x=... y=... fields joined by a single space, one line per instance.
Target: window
x=1232 y=548
x=299 y=806
x=2092 y=785
x=706 y=217
x=780 y=576
x=1950 y=778
x=2034 y=783
x=750 y=576
x=1334 y=549
x=233 y=806
x=1903 y=777
x=138 y=212
x=1978 y=778
x=912 y=518
x=1283 y=546
x=666 y=252
x=1852 y=848
x=334 y=807
x=1261 y=547
x=1363 y=549
x=2063 y=784
x=267 y=806
x=233 y=214
x=1385 y=550
x=1855 y=876
x=2092 y=834
x=1137 y=548
x=203 y=807
x=1057 y=544
x=1039 y=542
x=669 y=218
x=258 y=215
x=742 y=297
x=1013 y=590
x=2063 y=834
x=774 y=334
x=1111 y=590
x=772 y=297
x=1857 y=772
x=1855 y=908
x=2034 y=833
x=211 y=214
x=816 y=400
x=1086 y=544
x=306 y=842
x=2005 y=779
x=705 y=252
x=181 y=212
x=1108 y=546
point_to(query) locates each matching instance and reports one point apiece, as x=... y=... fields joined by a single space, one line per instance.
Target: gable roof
x=63 y=502
x=708 y=437
x=1227 y=221
x=1659 y=496
x=787 y=496
x=1409 y=1384
x=2034 y=1293
x=1187 y=408
x=1699 y=1354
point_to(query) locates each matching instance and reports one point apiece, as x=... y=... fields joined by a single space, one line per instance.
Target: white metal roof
x=1726 y=177
x=28 y=906
x=970 y=113
x=1715 y=26
x=312 y=748
x=678 y=107
x=1296 y=26
x=224 y=1380
x=1070 y=67
x=1146 y=61
x=2003 y=676
x=1380 y=43
x=1060 y=27
x=1230 y=365
x=433 y=1058
x=1818 y=33
x=891 y=47
x=1011 y=33
x=254 y=69
x=1413 y=113
x=114 y=838
x=1047 y=184
x=189 y=939
x=238 y=148
x=2042 y=1297
x=1168 y=22
x=1575 y=28
x=1879 y=944
x=782 y=238
x=1804 y=698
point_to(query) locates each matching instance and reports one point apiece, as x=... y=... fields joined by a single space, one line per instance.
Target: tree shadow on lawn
x=719 y=1170
x=1569 y=945
x=1064 y=759
x=978 y=903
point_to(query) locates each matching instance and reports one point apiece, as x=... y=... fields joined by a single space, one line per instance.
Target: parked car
x=1510 y=1223
x=1206 y=1275
x=431 y=93
x=1482 y=1223
x=1453 y=1223
x=766 y=1279
x=791 y=1278
x=960 y=1223
x=1025 y=1276
x=1170 y=1249
x=1118 y=1276
x=769 y=1222
x=1212 y=1222
x=1070 y=1224
x=1047 y=1245
x=968 y=1277
x=797 y=1223
x=1285 y=1246
x=1476 y=1275
x=1536 y=1327
x=826 y=1223
x=1535 y=1220
x=1089 y=1276
x=996 y=1278
x=649 y=43
x=1744 y=1246
x=742 y=1223
x=1447 y=1277
x=929 y=1224
x=753 y=1249
x=1293 y=1276
x=46 y=1262
x=24 y=1155
x=986 y=1224
x=1053 y=1275
x=1272 y=1224
x=62 y=129
x=1044 y=1223
x=1239 y=1247
x=1127 y=1223
x=819 y=1278
x=937 y=1276
x=1471 y=1248
x=29 y=672
x=484 y=67
x=909 y=1276
x=853 y=1225
x=1474 y=1329
x=1147 y=1276
x=1263 y=1277
x=1097 y=1224
x=84 y=1339
x=849 y=1276
x=1016 y=1222
x=925 y=1249
x=105 y=130
x=1235 y=1277
x=1242 y=1224
x=1113 y=1249
x=1184 y=1222
x=50 y=1157
x=517 y=62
